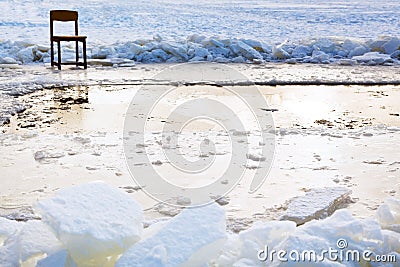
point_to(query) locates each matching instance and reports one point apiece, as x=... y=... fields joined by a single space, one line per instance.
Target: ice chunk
x=358 y=51
x=246 y=51
x=35 y=239
x=347 y=62
x=374 y=57
x=388 y=214
x=339 y=231
x=8 y=228
x=319 y=57
x=316 y=204
x=178 y=52
x=61 y=258
x=26 y=55
x=93 y=221
x=261 y=234
x=9 y=252
x=191 y=238
x=301 y=51
x=230 y=253
x=279 y=53
x=349 y=45
x=7 y=60
x=136 y=49
x=326 y=45
x=392 y=45
x=201 y=52
x=391 y=241
x=103 y=53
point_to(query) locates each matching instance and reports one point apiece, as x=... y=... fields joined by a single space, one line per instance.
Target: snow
x=358 y=234
x=388 y=214
x=373 y=57
x=316 y=204
x=194 y=237
x=190 y=238
x=324 y=50
x=168 y=31
x=93 y=221
x=36 y=238
x=9 y=253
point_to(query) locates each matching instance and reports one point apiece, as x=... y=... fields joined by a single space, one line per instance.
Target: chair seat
x=69 y=38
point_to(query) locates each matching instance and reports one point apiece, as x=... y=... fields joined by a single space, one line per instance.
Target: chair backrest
x=63 y=15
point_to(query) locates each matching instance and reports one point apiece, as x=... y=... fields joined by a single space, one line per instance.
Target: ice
x=279 y=53
x=388 y=214
x=374 y=57
x=93 y=221
x=36 y=239
x=392 y=45
x=358 y=51
x=26 y=55
x=8 y=228
x=315 y=235
x=260 y=234
x=60 y=258
x=7 y=60
x=301 y=51
x=319 y=57
x=246 y=51
x=391 y=241
x=201 y=48
x=191 y=238
x=316 y=204
x=9 y=254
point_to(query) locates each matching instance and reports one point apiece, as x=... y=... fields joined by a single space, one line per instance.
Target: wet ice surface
x=28 y=79
x=322 y=139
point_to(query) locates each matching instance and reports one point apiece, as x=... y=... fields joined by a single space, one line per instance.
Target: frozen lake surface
x=264 y=20
x=297 y=31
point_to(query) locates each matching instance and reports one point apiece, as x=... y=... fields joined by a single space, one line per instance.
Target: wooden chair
x=66 y=15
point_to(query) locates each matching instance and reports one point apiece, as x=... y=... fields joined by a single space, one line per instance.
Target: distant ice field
x=252 y=31
x=269 y=21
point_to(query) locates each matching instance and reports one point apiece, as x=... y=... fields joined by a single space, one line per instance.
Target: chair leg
x=84 y=55
x=52 y=53
x=59 y=55
x=77 y=53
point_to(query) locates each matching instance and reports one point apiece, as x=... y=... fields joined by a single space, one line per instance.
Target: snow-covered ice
x=93 y=221
x=388 y=214
x=379 y=51
x=189 y=239
x=9 y=252
x=195 y=237
x=318 y=203
x=222 y=31
x=36 y=239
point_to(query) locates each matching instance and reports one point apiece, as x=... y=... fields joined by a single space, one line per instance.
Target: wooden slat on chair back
x=63 y=15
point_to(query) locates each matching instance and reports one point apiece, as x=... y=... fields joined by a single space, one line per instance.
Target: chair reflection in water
x=64 y=16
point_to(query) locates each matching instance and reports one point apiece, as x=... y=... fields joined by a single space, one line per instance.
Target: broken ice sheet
x=191 y=238
x=95 y=222
x=318 y=203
